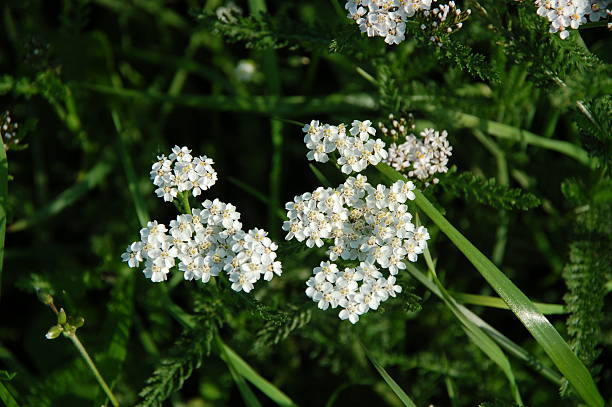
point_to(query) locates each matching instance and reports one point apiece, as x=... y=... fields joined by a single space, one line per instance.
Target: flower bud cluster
x=8 y=130
x=564 y=14
x=204 y=242
x=181 y=172
x=228 y=13
x=356 y=149
x=443 y=20
x=364 y=225
x=422 y=157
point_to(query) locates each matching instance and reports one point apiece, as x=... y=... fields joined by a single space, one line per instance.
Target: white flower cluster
x=424 y=156
x=384 y=18
x=369 y=226
x=356 y=149
x=564 y=14
x=387 y=18
x=204 y=243
x=181 y=172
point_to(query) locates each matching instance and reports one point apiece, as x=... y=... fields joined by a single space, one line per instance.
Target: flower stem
x=75 y=340
x=185 y=200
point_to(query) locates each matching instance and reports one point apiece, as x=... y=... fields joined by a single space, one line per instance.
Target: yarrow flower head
x=356 y=149
x=358 y=223
x=571 y=14
x=387 y=18
x=205 y=242
x=180 y=172
x=419 y=157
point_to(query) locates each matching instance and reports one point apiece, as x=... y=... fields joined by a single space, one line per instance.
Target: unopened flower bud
x=61 y=317
x=54 y=332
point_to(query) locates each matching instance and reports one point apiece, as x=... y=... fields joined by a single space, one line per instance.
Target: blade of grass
x=3 y=202
x=252 y=376
x=128 y=166
x=497 y=336
x=401 y=394
x=91 y=179
x=319 y=175
x=476 y=335
x=245 y=391
x=6 y=396
x=496 y=302
x=540 y=328
x=275 y=176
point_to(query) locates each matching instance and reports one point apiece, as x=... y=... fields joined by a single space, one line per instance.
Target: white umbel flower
x=570 y=14
x=357 y=222
x=180 y=171
x=421 y=157
x=205 y=242
x=356 y=149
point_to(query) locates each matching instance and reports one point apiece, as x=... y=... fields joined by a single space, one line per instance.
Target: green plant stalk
x=128 y=167
x=185 y=201
x=77 y=343
x=3 y=202
x=501 y=234
x=540 y=328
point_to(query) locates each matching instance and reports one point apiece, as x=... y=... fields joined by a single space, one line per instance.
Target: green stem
x=75 y=340
x=185 y=200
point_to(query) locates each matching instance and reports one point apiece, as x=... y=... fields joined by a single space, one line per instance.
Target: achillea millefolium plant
x=319 y=203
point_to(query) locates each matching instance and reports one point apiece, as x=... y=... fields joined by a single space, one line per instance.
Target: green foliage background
x=101 y=87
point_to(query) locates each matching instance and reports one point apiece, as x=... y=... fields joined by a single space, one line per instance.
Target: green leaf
x=250 y=399
x=536 y=323
x=389 y=380
x=242 y=368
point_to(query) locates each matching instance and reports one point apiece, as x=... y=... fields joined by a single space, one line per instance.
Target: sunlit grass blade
x=3 y=202
x=243 y=369
x=540 y=328
x=399 y=392
x=496 y=302
x=91 y=179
